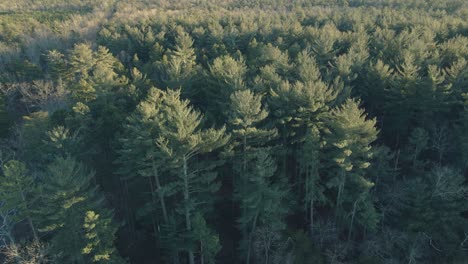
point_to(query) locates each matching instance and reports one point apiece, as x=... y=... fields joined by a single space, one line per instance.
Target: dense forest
x=233 y=131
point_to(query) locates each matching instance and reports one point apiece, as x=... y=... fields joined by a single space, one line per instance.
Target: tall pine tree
x=348 y=152
x=183 y=139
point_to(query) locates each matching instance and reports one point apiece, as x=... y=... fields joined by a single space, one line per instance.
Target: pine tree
x=62 y=142
x=457 y=75
x=57 y=65
x=228 y=74
x=377 y=79
x=267 y=55
x=139 y=153
x=348 y=149
x=245 y=114
x=209 y=241
x=301 y=104
x=307 y=68
x=66 y=194
x=225 y=76
x=100 y=235
x=298 y=107
x=263 y=205
x=92 y=74
x=322 y=43
x=179 y=64
x=33 y=137
x=17 y=192
x=105 y=74
x=182 y=139
x=81 y=61
x=142 y=163
x=405 y=96
x=105 y=64
x=310 y=162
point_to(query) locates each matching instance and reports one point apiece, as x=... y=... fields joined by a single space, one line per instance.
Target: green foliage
x=64 y=194
x=81 y=61
x=179 y=65
x=180 y=129
x=5 y=121
x=434 y=208
x=209 y=241
x=99 y=233
x=33 y=137
x=294 y=106
x=181 y=139
x=140 y=133
x=304 y=250
x=346 y=119
x=263 y=203
x=348 y=139
x=91 y=73
x=17 y=190
x=66 y=186
x=228 y=73
x=418 y=142
x=142 y=162
x=245 y=113
x=226 y=76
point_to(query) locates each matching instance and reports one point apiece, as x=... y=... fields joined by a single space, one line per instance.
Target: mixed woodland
x=233 y=131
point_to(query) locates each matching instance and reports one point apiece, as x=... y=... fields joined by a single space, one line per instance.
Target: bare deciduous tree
x=447 y=184
x=34 y=253
x=271 y=247
x=440 y=141
x=43 y=95
x=6 y=227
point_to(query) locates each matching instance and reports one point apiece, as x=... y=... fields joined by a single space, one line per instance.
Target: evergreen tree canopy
x=320 y=131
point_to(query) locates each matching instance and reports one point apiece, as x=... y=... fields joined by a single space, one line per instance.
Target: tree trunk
x=243 y=181
x=340 y=191
x=285 y=156
x=31 y=225
x=249 y=244
x=128 y=211
x=352 y=222
x=202 y=257
x=395 y=168
x=311 y=216
x=162 y=200
x=160 y=194
x=307 y=191
x=36 y=237
x=244 y=158
x=188 y=224
x=175 y=258
x=153 y=221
